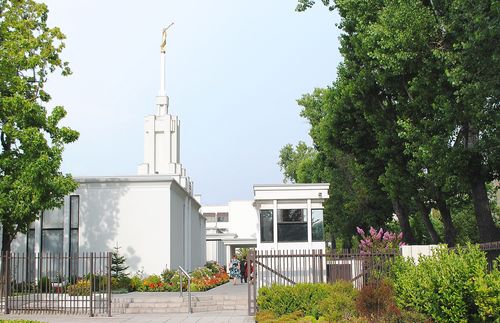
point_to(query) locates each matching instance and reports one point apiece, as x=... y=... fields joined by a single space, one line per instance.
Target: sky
x=234 y=70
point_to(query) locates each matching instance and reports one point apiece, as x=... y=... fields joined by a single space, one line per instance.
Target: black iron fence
x=289 y=267
x=56 y=283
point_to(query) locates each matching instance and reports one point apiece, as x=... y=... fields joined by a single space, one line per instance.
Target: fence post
x=109 y=284
x=91 y=283
x=6 y=280
x=252 y=281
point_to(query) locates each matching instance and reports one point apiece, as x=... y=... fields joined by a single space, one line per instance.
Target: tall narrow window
x=317 y=225
x=74 y=212
x=52 y=241
x=74 y=215
x=30 y=253
x=52 y=231
x=266 y=226
x=292 y=225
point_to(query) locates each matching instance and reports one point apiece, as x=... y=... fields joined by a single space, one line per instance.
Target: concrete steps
x=175 y=304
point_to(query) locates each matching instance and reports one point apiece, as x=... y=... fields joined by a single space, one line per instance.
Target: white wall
x=243 y=219
x=216 y=251
x=130 y=214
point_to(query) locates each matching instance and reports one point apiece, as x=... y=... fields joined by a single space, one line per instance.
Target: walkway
x=237 y=316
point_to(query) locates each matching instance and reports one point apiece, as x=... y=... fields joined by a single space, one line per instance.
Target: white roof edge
x=292 y=186
x=130 y=178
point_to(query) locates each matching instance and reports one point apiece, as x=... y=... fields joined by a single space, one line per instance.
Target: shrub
x=45 y=285
x=167 y=274
x=135 y=283
x=379 y=241
x=449 y=285
x=153 y=283
x=340 y=303
x=80 y=288
x=376 y=300
x=309 y=299
x=122 y=283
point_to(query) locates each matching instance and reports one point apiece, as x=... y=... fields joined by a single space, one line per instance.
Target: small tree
x=118 y=267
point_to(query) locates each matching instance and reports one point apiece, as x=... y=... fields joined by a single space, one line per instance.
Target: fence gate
x=289 y=267
x=56 y=283
x=284 y=267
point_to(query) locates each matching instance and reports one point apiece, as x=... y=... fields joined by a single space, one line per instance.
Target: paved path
x=201 y=317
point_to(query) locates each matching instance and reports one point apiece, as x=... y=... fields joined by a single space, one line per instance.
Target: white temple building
x=153 y=216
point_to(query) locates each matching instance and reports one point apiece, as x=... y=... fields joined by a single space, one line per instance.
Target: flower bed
x=203 y=278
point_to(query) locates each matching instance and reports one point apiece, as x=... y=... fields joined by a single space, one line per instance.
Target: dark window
x=222 y=217
x=52 y=231
x=74 y=240
x=317 y=225
x=292 y=225
x=266 y=226
x=74 y=214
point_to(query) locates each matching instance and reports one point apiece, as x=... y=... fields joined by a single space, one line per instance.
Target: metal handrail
x=181 y=272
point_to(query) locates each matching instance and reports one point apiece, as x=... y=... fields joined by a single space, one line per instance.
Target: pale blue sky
x=234 y=72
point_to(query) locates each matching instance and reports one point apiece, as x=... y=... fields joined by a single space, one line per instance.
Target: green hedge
x=449 y=286
x=334 y=301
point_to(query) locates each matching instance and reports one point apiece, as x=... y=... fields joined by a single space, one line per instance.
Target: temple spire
x=162 y=99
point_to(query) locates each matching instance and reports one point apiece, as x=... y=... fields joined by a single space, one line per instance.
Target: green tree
x=418 y=91
x=118 y=261
x=32 y=141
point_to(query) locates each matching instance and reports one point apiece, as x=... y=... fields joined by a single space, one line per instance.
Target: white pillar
x=309 y=223
x=275 y=223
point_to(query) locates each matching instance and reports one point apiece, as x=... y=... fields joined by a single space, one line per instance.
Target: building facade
x=281 y=217
x=153 y=216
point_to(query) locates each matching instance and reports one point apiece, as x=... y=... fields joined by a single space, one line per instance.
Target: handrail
x=181 y=272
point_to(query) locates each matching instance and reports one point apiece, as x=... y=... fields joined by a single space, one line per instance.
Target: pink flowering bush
x=379 y=241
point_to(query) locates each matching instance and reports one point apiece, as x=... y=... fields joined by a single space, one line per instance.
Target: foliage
x=309 y=299
x=118 y=267
x=19 y=321
x=80 y=288
x=203 y=278
x=45 y=285
x=32 y=142
x=415 y=103
x=340 y=303
x=379 y=241
x=449 y=286
x=376 y=301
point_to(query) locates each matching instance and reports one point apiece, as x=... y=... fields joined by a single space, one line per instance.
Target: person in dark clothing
x=243 y=270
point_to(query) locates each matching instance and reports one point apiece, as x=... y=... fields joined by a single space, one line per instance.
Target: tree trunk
x=450 y=233
x=487 y=230
x=6 y=241
x=404 y=221
x=424 y=213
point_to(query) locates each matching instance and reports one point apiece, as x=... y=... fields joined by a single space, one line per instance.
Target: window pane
x=30 y=243
x=222 y=217
x=52 y=241
x=317 y=225
x=292 y=215
x=74 y=210
x=53 y=219
x=73 y=247
x=292 y=232
x=266 y=226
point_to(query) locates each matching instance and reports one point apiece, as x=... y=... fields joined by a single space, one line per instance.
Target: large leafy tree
x=32 y=140
x=421 y=79
x=356 y=197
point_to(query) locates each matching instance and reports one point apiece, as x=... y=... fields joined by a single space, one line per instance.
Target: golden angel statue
x=163 y=46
